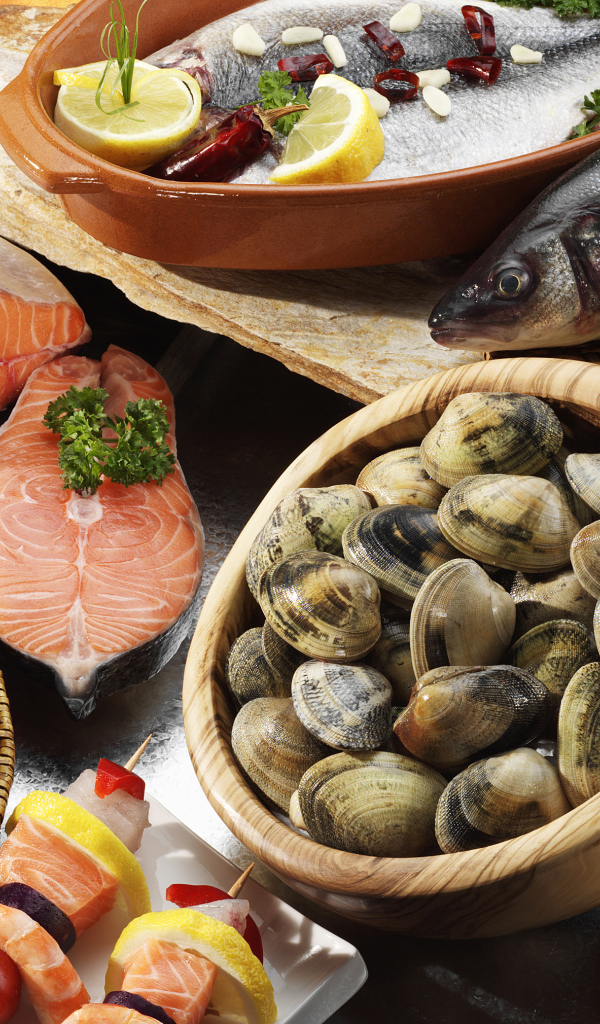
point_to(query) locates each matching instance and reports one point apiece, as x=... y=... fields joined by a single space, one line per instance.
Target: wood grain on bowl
x=544 y=876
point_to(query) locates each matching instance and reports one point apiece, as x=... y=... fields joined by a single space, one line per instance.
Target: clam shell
x=459 y=714
x=499 y=798
x=490 y=433
x=309 y=518
x=460 y=617
x=379 y=804
x=321 y=605
x=346 y=706
x=247 y=671
x=583 y=473
x=578 y=746
x=398 y=478
x=516 y=522
x=585 y=558
x=555 y=472
x=280 y=656
x=541 y=598
x=398 y=545
x=273 y=747
x=553 y=652
x=391 y=657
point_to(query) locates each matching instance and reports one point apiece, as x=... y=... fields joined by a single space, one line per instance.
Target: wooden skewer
x=133 y=760
x=237 y=886
x=7 y=749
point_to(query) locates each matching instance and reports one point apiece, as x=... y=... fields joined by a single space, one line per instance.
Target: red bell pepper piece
x=111 y=776
x=195 y=895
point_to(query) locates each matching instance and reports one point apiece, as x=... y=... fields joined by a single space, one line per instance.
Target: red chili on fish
x=306 y=69
x=386 y=40
x=406 y=87
x=480 y=26
x=486 y=69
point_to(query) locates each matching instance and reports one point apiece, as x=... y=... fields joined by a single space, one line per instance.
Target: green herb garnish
x=591 y=103
x=564 y=8
x=274 y=87
x=116 y=32
x=135 y=451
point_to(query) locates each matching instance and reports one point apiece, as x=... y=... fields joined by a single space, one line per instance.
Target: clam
x=398 y=478
x=460 y=617
x=458 y=714
x=398 y=545
x=309 y=518
x=321 y=605
x=499 y=798
x=585 y=558
x=553 y=652
x=583 y=473
x=490 y=433
x=391 y=656
x=555 y=472
x=247 y=671
x=345 y=706
x=273 y=747
x=379 y=804
x=280 y=656
x=543 y=597
x=515 y=522
x=578 y=746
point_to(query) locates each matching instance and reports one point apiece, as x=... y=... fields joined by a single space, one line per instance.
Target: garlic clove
x=300 y=34
x=408 y=18
x=380 y=103
x=523 y=55
x=335 y=51
x=437 y=100
x=247 y=40
x=435 y=76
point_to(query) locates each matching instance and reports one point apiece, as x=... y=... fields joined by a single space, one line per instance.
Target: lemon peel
x=242 y=992
x=94 y=836
x=339 y=139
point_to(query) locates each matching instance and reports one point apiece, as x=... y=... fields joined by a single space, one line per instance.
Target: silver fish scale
x=530 y=107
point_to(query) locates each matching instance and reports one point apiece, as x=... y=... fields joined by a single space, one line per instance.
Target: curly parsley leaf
x=92 y=445
x=564 y=8
x=275 y=90
x=592 y=104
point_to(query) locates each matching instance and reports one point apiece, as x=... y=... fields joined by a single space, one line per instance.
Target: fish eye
x=511 y=282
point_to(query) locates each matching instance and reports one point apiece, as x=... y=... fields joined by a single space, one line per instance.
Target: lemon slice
x=97 y=838
x=168 y=104
x=338 y=139
x=242 y=992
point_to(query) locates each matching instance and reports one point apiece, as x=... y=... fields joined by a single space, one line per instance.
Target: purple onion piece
x=40 y=909
x=132 y=1001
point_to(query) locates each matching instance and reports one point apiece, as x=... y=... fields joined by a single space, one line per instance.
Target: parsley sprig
x=591 y=103
x=275 y=89
x=564 y=8
x=93 y=445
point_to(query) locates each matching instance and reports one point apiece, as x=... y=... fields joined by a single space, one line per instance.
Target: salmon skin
x=538 y=285
x=39 y=319
x=96 y=593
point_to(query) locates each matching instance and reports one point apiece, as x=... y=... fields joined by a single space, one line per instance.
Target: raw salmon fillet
x=170 y=977
x=48 y=861
x=39 y=319
x=96 y=592
x=105 y=1013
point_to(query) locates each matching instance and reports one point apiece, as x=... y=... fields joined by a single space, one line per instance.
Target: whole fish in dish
x=538 y=285
x=529 y=108
x=96 y=592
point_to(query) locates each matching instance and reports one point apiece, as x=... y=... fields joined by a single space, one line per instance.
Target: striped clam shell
x=247 y=672
x=583 y=473
x=398 y=478
x=281 y=656
x=346 y=706
x=543 y=597
x=553 y=651
x=585 y=558
x=391 y=655
x=578 y=746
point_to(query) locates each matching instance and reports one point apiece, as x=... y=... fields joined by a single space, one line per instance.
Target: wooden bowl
x=260 y=227
x=544 y=876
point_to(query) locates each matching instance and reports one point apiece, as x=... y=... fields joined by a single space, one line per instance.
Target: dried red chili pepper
x=398 y=94
x=486 y=69
x=481 y=29
x=306 y=69
x=386 y=41
x=225 y=149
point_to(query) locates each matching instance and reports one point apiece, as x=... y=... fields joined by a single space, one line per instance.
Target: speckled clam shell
x=398 y=478
x=379 y=804
x=490 y=433
x=583 y=473
x=460 y=617
x=596 y=624
x=280 y=656
x=553 y=652
x=321 y=605
x=499 y=798
x=459 y=714
x=309 y=518
x=398 y=545
x=585 y=558
x=555 y=472
x=543 y=597
x=346 y=706
x=247 y=671
x=515 y=522
x=578 y=745
x=391 y=657
x=273 y=747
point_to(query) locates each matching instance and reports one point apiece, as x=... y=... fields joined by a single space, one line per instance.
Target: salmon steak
x=39 y=319
x=98 y=592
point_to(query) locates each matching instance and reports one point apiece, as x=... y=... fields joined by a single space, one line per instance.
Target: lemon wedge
x=338 y=139
x=97 y=838
x=242 y=992
x=168 y=104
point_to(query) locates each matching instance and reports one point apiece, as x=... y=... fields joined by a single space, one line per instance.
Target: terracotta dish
x=250 y=226
x=544 y=876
